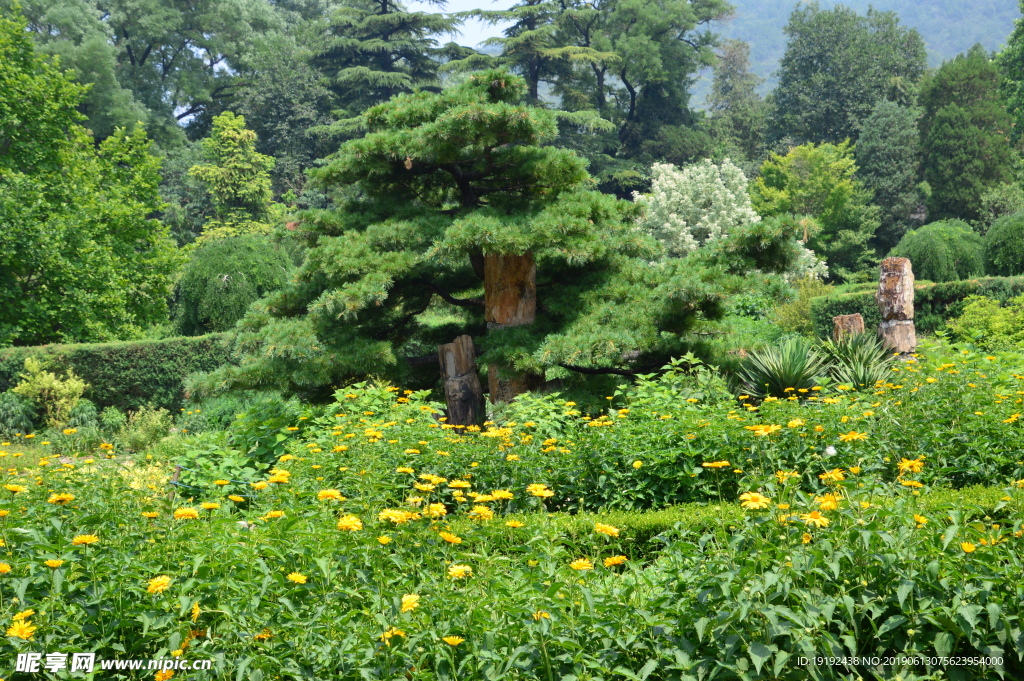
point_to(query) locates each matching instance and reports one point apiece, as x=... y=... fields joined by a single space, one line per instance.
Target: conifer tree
x=455 y=197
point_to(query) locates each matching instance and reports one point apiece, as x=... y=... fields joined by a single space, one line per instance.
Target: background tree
x=820 y=181
x=1011 y=63
x=1004 y=246
x=459 y=200
x=223 y=278
x=238 y=179
x=964 y=135
x=738 y=113
x=888 y=157
x=837 y=65
x=943 y=251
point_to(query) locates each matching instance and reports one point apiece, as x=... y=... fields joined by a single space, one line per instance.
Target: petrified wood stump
x=510 y=299
x=462 y=389
x=895 y=298
x=847 y=325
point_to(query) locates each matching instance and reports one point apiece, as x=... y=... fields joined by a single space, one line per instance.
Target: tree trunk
x=510 y=299
x=462 y=390
x=895 y=298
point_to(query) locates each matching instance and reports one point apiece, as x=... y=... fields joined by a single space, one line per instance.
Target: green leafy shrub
x=858 y=360
x=795 y=316
x=125 y=375
x=217 y=413
x=55 y=396
x=144 y=427
x=1004 y=246
x=112 y=420
x=223 y=278
x=989 y=325
x=778 y=371
x=933 y=303
x=17 y=414
x=943 y=251
x=83 y=415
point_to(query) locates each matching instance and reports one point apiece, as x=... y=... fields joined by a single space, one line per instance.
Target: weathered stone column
x=462 y=389
x=847 y=325
x=510 y=299
x=895 y=298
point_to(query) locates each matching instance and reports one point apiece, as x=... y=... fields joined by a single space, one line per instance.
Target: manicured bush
x=989 y=325
x=1004 y=246
x=934 y=304
x=943 y=251
x=223 y=278
x=125 y=375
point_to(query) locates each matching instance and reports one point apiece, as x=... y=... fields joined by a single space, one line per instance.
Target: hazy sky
x=472 y=31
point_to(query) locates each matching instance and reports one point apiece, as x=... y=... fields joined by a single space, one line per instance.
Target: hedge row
x=128 y=374
x=933 y=303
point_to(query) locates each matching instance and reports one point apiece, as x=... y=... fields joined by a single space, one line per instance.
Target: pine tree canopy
x=452 y=195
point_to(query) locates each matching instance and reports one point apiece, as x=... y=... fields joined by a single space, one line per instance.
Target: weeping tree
x=454 y=198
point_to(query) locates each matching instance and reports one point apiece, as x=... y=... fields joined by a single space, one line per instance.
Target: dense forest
x=175 y=168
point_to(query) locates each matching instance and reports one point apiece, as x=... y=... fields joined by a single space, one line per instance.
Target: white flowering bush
x=690 y=206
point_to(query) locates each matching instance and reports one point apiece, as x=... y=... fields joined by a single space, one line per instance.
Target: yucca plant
x=859 y=360
x=16 y=414
x=783 y=370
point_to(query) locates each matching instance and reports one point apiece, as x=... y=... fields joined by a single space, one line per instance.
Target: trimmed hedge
x=934 y=303
x=128 y=374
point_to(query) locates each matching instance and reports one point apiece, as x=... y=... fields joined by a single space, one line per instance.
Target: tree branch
x=447 y=297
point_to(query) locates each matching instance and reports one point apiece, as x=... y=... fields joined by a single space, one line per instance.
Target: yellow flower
x=4 y=568
x=332 y=494
x=910 y=465
x=22 y=630
x=481 y=513
x=450 y=538
x=404 y=469
x=815 y=519
x=609 y=530
x=263 y=635
x=235 y=498
x=150 y=514
x=453 y=640
x=855 y=470
x=196 y=611
x=764 y=429
x=387 y=635
x=163 y=675
x=209 y=506
x=23 y=615
x=53 y=563
x=261 y=485
x=350 y=523
x=638 y=463
x=410 y=602
x=384 y=540
x=920 y=520
x=222 y=482
x=515 y=524
x=967 y=547
x=819 y=429
x=296 y=577
x=853 y=435
x=424 y=486
x=395 y=516
x=15 y=489
x=460 y=571
x=784 y=476
x=805 y=538
x=85 y=539
x=827 y=502
x=581 y=564
x=911 y=483
x=834 y=475
x=716 y=464
x=614 y=560
x=159 y=584
x=271 y=515
x=61 y=498
x=436 y=511
x=753 y=500
x=502 y=494
x=539 y=490
x=541 y=615
x=459 y=484
x=186 y=514
x=795 y=423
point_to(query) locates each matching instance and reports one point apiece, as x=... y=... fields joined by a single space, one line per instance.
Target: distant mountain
x=948 y=27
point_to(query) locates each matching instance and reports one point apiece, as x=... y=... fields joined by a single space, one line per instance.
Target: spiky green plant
x=858 y=360
x=16 y=414
x=781 y=371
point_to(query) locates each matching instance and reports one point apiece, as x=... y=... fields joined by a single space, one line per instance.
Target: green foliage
x=943 y=251
x=738 y=114
x=1001 y=200
x=837 y=66
x=1004 y=246
x=112 y=420
x=777 y=371
x=83 y=415
x=125 y=375
x=223 y=278
x=55 y=396
x=858 y=361
x=145 y=426
x=820 y=181
x=964 y=135
x=990 y=325
x=933 y=303
x=17 y=414
x=79 y=258
x=238 y=179
x=888 y=155
x=794 y=316
x=1011 y=63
